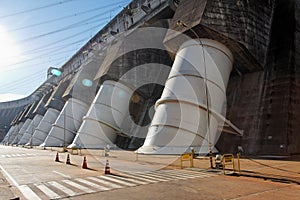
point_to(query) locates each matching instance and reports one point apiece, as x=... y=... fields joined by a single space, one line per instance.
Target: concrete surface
x=29 y=168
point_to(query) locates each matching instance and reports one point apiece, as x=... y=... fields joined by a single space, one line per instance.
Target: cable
x=271 y=166
x=35 y=9
x=44 y=47
x=15 y=84
x=58 y=30
x=22 y=81
x=65 y=17
x=55 y=48
x=35 y=58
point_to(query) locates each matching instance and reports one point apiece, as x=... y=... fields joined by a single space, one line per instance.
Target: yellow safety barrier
x=228 y=159
x=187 y=157
x=78 y=150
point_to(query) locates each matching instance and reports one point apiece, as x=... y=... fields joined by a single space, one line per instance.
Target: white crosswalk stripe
x=114 y=179
x=72 y=187
x=113 y=185
x=132 y=180
x=47 y=191
x=17 y=155
x=91 y=184
x=28 y=193
x=154 y=177
x=140 y=178
x=173 y=174
x=80 y=187
x=63 y=188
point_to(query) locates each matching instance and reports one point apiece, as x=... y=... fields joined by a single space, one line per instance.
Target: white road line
x=19 y=155
x=28 y=193
x=131 y=180
x=14 y=182
x=47 y=191
x=140 y=178
x=179 y=175
x=105 y=182
x=3 y=156
x=186 y=174
x=63 y=188
x=110 y=178
x=8 y=156
x=91 y=184
x=61 y=174
x=152 y=178
x=80 y=187
x=25 y=190
x=159 y=177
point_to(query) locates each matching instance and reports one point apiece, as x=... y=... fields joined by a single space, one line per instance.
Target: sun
x=9 y=51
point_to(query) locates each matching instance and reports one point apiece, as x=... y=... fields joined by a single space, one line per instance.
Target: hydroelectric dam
x=168 y=76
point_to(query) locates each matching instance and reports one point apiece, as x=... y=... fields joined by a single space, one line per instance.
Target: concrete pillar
x=30 y=129
x=104 y=117
x=180 y=121
x=42 y=130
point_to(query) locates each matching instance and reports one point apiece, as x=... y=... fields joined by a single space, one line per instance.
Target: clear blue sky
x=38 y=34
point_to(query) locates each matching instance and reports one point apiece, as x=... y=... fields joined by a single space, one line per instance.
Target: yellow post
x=180 y=162
x=239 y=164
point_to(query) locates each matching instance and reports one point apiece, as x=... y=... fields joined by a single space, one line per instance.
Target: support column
x=44 y=127
x=106 y=114
x=181 y=119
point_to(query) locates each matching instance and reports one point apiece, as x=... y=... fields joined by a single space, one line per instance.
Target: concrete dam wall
x=166 y=76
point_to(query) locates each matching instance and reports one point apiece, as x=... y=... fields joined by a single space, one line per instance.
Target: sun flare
x=9 y=51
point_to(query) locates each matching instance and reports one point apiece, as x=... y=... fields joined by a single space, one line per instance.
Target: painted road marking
x=140 y=178
x=47 y=191
x=132 y=180
x=91 y=184
x=111 y=178
x=63 y=188
x=149 y=176
x=179 y=175
x=25 y=190
x=100 y=183
x=16 y=155
x=105 y=182
x=28 y=193
x=80 y=187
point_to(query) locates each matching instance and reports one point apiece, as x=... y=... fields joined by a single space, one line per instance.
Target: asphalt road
x=34 y=175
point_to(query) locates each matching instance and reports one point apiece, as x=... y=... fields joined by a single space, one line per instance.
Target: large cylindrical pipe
x=66 y=125
x=181 y=119
x=9 y=133
x=30 y=129
x=22 y=131
x=15 y=132
x=104 y=117
x=44 y=127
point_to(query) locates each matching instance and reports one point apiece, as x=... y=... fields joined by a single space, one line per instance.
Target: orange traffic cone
x=84 y=165
x=57 y=158
x=68 y=160
x=107 y=168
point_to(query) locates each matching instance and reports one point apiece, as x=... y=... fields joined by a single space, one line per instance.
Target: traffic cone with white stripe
x=68 y=160
x=57 y=157
x=107 y=168
x=84 y=165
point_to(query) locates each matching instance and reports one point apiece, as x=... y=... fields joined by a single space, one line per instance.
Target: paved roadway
x=35 y=174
